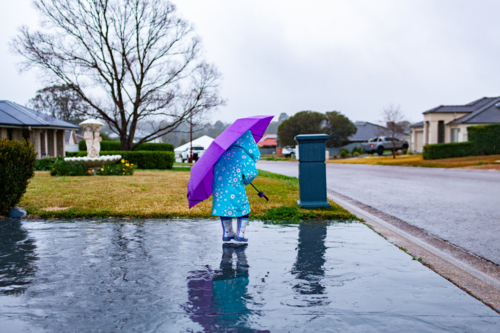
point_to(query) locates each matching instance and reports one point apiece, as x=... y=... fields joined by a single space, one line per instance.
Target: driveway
x=459 y=206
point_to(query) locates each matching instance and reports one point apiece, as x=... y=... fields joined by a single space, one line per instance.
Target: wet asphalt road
x=459 y=206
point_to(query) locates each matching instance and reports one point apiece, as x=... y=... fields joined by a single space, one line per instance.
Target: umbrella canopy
x=200 y=182
x=91 y=123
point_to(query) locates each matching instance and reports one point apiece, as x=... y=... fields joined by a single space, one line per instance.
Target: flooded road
x=177 y=276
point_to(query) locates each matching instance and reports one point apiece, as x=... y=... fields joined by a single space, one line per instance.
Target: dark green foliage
x=487 y=137
x=61 y=168
x=45 y=164
x=344 y=153
x=71 y=154
x=115 y=145
x=338 y=128
x=484 y=140
x=17 y=162
x=447 y=150
x=117 y=169
x=303 y=122
x=144 y=159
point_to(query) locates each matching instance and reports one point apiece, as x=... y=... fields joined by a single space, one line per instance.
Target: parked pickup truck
x=381 y=143
x=197 y=152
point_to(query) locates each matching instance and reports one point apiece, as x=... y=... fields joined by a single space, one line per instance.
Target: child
x=234 y=169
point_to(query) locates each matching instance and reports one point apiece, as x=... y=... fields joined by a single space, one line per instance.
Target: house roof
x=366 y=131
x=419 y=124
x=13 y=114
x=267 y=142
x=481 y=111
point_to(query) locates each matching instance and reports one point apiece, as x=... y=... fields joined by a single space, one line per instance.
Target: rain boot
x=227 y=229
x=241 y=232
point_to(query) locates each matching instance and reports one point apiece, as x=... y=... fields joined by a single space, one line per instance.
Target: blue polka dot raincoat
x=234 y=169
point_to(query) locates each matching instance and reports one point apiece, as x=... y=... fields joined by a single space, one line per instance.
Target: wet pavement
x=459 y=206
x=177 y=276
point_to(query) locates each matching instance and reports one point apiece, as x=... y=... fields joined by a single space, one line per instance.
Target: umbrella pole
x=260 y=193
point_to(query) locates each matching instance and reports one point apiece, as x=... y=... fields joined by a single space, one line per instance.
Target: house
x=448 y=123
x=267 y=144
x=46 y=133
x=71 y=141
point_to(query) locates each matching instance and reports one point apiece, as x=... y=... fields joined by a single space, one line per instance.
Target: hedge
x=17 y=161
x=483 y=140
x=115 y=146
x=143 y=159
x=447 y=150
x=487 y=137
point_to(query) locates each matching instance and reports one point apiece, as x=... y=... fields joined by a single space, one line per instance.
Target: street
x=459 y=206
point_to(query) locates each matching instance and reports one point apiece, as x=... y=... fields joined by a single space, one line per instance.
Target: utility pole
x=191 y=137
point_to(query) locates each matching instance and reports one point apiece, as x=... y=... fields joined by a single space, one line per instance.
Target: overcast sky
x=352 y=56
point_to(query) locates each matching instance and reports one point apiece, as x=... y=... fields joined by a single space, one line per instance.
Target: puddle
x=162 y=276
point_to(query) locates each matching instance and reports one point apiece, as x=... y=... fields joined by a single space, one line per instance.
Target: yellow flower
x=127 y=164
x=124 y=173
x=132 y=164
x=123 y=161
x=102 y=169
x=89 y=171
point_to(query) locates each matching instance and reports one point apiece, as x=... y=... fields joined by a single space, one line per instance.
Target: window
x=454 y=134
x=9 y=133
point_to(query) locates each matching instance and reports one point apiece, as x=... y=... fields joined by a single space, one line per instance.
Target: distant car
x=289 y=151
x=197 y=152
x=381 y=143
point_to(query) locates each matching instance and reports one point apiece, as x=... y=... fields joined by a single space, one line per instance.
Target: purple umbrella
x=202 y=173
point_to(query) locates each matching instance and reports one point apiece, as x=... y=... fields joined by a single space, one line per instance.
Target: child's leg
x=227 y=228
x=241 y=232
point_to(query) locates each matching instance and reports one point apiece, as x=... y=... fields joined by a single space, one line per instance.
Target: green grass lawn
x=158 y=193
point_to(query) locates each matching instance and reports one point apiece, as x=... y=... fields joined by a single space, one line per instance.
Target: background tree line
x=336 y=125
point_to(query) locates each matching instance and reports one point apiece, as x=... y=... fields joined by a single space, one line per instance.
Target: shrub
x=487 y=138
x=45 y=164
x=71 y=154
x=410 y=152
x=17 y=162
x=62 y=168
x=344 y=153
x=446 y=150
x=115 y=146
x=144 y=159
x=404 y=151
x=355 y=154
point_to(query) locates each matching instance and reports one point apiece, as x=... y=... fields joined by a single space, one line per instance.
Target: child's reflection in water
x=218 y=299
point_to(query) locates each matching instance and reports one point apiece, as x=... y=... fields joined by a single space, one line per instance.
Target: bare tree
x=129 y=60
x=395 y=125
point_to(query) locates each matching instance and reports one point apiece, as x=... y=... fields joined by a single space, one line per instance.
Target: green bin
x=312 y=170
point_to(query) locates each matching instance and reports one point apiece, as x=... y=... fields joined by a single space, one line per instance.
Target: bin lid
x=302 y=137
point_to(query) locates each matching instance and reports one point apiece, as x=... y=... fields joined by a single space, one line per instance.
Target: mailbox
x=312 y=170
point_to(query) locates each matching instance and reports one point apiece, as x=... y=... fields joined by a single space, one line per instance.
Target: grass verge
x=153 y=194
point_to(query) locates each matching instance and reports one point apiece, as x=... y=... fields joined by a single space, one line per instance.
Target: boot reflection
x=218 y=299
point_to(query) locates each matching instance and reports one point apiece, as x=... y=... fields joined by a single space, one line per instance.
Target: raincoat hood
x=248 y=144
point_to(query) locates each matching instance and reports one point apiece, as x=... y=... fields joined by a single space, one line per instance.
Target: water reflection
x=218 y=299
x=17 y=256
x=308 y=267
